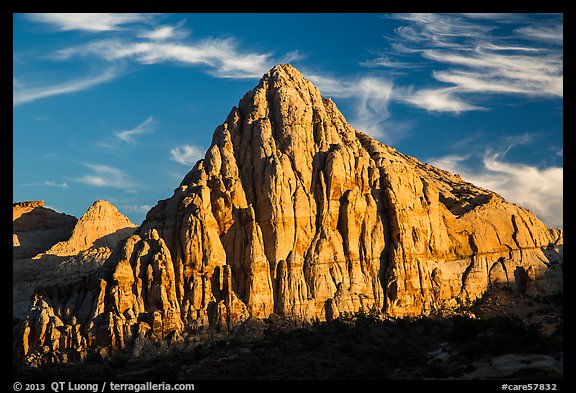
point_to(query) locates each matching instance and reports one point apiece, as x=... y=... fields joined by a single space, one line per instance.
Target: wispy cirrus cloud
x=186 y=154
x=435 y=100
x=136 y=208
x=501 y=71
x=438 y=30
x=221 y=57
x=466 y=58
x=472 y=58
x=371 y=96
x=502 y=16
x=23 y=94
x=134 y=38
x=106 y=176
x=550 y=33
x=539 y=189
x=372 y=99
x=47 y=183
x=145 y=127
x=93 y=22
x=386 y=61
x=166 y=32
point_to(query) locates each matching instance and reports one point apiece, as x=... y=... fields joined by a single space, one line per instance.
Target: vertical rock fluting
x=294 y=212
x=448 y=235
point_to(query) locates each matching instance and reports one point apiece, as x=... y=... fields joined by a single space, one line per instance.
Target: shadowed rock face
x=52 y=248
x=37 y=228
x=294 y=212
x=101 y=226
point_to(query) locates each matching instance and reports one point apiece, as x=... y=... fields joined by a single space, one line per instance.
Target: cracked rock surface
x=293 y=212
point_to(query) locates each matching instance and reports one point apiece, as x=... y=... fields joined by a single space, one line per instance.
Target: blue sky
x=120 y=106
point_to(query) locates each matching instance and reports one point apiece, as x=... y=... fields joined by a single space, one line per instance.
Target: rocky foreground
x=291 y=213
x=485 y=342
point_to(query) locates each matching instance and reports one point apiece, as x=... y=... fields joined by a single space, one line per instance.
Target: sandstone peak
x=101 y=226
x=294 y=212
x=285 y=68
x=285 y=80
x=52 y=248
x=285 y=74
x=102 y=208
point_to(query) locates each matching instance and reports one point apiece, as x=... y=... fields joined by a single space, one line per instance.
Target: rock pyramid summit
x=50 y=248
x=101 y=226
x=293 y=212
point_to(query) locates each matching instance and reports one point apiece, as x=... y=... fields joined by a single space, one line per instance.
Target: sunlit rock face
x=294 y=212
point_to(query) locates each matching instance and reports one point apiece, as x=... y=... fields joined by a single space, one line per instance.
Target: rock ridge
x=294 y=212
x=53 y=248
x=102 y=225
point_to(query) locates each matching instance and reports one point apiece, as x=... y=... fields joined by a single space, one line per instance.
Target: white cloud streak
x=166 y=32
x=186 y=154
x=491 y=72
x=439 y=30
x=93 y=22
x=435 y=100
x=386 y=61
x=374 y=95
x=526 y=62
x=136 y=208
x=371 y=96
x=145 y=127
x=138 y=38
x=47 y=183
x=106 y=176
x=493 y=16
x=221 y=57
x=24 y=95
x=537 y=189
x=553 y=34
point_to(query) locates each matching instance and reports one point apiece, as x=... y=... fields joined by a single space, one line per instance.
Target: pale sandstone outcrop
x=53 y=248
x=101 y=226
x=294 y=212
